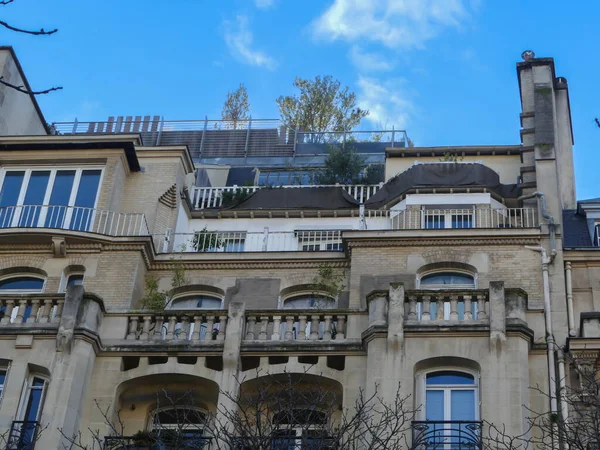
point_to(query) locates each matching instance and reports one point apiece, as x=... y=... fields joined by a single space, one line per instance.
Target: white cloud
x=239 y=39
x=393 y=23
x=369 y=61
x=386 y=100
x=264 y=4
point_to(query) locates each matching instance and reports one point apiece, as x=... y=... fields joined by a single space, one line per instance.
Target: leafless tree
x=40 y=32
x=21 y=435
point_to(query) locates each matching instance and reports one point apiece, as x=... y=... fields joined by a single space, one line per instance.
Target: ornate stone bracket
x=59 y=247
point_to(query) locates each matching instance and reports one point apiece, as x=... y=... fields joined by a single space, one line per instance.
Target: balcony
x=466 y=218
x=74 y=218
x=16 y=310
x=151 y=442
x=443 y=434
x=432 y=307
x=23 y=435
x=223 y=140
x=212 y=197
x=240 y=241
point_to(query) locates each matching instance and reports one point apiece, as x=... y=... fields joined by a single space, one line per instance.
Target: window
x=596 y=242
x=195 y=301
x=3 y=374
x=451 y=408
x=447 y=218
x=25 y=430
x=49 y=198
x=299 y=429
x=447 y=279
x=20 y=284
x=179 y=427
x=304 y=302
x=219 y=241
x=286 y=177
x=320 y=240
x=73 y=279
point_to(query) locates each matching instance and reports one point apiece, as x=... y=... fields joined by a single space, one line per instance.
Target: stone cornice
x=439 y=242
x=248 y=264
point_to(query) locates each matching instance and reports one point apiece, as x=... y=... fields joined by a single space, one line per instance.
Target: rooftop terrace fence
x=213 y=139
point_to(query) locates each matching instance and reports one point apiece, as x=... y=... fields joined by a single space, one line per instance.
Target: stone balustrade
x=18 y=309
x=293 y=325
x=192 y=326
x=455 y=306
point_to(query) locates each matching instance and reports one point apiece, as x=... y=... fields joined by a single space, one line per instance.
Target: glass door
x=32 y=404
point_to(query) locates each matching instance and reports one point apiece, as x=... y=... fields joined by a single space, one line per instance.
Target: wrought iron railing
x=23 y=435
x=446 y=435
x=75 y=218
x=152 y=442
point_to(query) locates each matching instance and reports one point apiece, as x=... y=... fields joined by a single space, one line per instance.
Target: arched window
x=309 y=301
x=450 y=407
x=446 y=280
x=179 y=427
x=299 y=429
x=196 y=301
x=20 y=284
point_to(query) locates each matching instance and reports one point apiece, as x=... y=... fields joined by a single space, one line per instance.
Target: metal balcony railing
x=156 y=443
x=74 y=218
x=241 y=241
x=208 y=139
x=442 y=435
x=212 y=197
x=23 y=435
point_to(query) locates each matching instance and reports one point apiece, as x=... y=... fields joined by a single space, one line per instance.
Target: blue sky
x=442 y=69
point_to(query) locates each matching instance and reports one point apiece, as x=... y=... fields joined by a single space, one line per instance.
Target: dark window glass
x=34 y=197
x=22 y=284
x=85 y=200
x=2 y=377
x=435 y=222
x=75 y=280
x=59 y=199
x=446 y=377
x=9 y=195
x=448 y=278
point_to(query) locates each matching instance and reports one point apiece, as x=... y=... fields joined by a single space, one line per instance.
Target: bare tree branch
x=597 y=122
x=41 y=32
x=26 y=91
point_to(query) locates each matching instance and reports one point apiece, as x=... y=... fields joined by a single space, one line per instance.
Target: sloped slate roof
x=589 y=200
x=441 y=175
x=325 y=198
x=575 y=232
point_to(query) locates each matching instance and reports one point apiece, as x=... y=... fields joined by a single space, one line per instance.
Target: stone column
x=497 y=307
x=378 y=308
x=396 y=314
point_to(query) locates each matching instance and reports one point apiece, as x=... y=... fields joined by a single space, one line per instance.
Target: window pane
x=434 y=405
x=85 y=200
x=462 y=405
x=2 y=377
x=36 y=191
x=33 y=405
x=22 y=283
x=447 y=278
x=462 y=221
x=446 y=377
x=59 y=199
x=9 y=194
x=75 y=280
x=435 y=222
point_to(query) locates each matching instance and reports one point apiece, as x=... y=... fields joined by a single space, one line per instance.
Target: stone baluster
x=276 y=328
x=195 y=337
x=171 y=327
x=250 y=325
x=35 y=307
x=184 y=331
x=146 y=328
x=222 y=328
x=302 y=328
x=21 y=311
x=314 y=327
x=468 y=307
x=327 y=333
x=289 y=328
x=159 y=322
x=264 y=323
x=133 y=325
x=426 y=314
x=454 y=307
x=412 y=307
x=210 y=325
x=59 y=309
x=439 y=307
x=341 y=327
x=46 y=310
x=10 y=305
x=481 y=315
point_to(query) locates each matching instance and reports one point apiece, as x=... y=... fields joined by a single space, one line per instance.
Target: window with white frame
x=447 y=218
x=299 y=429
x=49 y=197
x=449 y=407
x=194 y=302
x=320 y=240
x=3 y=375
x=72 y=279
x=446 y=280
x=30 y=411
x=219 y=241
x=308 y=301
x=20 y=284
x=596 y=242
x=179 y=427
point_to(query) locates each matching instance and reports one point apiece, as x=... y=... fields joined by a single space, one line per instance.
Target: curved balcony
x=446 y=434
x=74 y=218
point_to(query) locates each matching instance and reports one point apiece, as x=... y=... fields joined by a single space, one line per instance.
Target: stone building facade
x=465 y=282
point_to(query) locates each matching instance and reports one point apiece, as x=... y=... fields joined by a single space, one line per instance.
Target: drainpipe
x=546 y=260
x=569 y=285
x=564 y=407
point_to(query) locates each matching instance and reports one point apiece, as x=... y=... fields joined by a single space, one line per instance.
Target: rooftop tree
x=237 y=106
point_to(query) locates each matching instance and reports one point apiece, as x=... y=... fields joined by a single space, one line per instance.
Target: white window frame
x=53 y=170
x=447 y=215
x=421 y=275
x=6 y=368
x=422 y=389
x=23 y=291
x=27 y=386
x=306 y=294
x=319 y=239
x=596 y=236
x=195 y=294
x=216 y=326
x=65 y=280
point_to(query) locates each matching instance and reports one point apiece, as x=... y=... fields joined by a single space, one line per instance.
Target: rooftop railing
x=208 y=139
x=212 y=197
x=74 y=218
